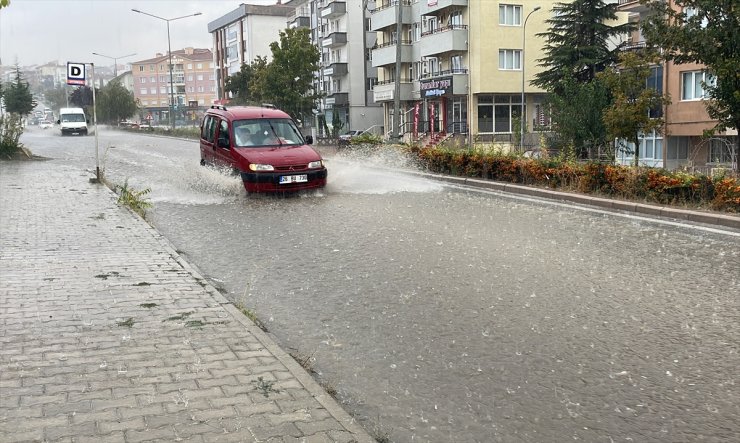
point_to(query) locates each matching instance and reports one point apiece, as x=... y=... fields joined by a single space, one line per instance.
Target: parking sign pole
x=95 y=122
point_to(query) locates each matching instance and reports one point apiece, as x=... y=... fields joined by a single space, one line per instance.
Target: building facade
x=242 y=35
x=464 y=67
x=682 y=144
x=193 y=86
x=341 y=31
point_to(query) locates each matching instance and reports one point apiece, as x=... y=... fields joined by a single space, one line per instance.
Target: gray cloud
x=39 y=31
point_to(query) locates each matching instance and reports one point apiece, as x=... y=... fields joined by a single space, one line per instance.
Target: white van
x=72 y=121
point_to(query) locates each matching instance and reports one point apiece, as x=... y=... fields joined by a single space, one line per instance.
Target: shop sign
x=436 y=87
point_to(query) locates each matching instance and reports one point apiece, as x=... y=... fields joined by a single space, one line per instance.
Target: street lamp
x=169 y=52
x=115 y=61
x=522 y=116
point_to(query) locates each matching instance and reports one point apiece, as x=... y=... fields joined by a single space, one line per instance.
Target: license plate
x=284 y=179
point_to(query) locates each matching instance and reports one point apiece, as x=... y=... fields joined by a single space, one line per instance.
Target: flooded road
x=446 y=315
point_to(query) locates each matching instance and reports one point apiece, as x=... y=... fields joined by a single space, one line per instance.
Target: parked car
x=264 y=146
x=46 y=124
x=346 y=138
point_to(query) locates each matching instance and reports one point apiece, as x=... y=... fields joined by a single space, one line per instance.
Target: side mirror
x=223 y=143
x=309 y=139
x=59 y=121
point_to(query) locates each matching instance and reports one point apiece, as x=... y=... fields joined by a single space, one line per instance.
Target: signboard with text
x=437 y=87
x=75 y=73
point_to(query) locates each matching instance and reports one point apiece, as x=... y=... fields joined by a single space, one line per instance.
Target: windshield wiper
x=275 y=133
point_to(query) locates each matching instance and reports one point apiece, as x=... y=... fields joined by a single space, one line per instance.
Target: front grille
x=291 y=168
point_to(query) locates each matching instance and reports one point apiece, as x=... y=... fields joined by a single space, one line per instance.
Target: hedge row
x=649 y=184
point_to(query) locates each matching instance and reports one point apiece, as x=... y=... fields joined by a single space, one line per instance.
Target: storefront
x=440 y=111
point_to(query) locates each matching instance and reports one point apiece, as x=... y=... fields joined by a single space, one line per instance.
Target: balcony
x=632 y=6
x=440 y=5
x=334 y=9
x=334 y=39
x=336 y=69
x=452 y=38
x=384 y=91
x=385 y=53
x=300 y=21
x=385 y=15
x=337 y=99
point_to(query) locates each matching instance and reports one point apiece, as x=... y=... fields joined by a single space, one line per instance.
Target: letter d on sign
x=75 y=73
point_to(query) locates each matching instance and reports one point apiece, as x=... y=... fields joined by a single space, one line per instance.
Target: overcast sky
x=40 y=31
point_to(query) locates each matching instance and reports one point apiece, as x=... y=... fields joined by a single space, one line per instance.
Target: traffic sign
x=75 y=73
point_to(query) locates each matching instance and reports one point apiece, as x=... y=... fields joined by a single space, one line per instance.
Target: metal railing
x=443 y=29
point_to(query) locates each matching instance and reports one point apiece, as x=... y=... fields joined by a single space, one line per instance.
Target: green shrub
x=11 y=128
x=366 y=139
x=136 y=200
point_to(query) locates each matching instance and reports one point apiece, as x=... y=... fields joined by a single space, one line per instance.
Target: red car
x=264 y=146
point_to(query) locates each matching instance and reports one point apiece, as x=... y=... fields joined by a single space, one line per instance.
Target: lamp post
x=522 y=115
x=169 y=53
x=115 y=61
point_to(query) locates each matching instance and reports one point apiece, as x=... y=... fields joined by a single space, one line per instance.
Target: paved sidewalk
x=106 y=334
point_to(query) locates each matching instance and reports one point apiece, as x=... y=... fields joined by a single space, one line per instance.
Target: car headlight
x=258 y=167
x=315 y=165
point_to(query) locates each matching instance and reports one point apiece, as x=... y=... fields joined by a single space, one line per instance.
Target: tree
x=115 y=103
x=577 y=113
x=705 y=32
x=287 y=80
x=578 y=43
x=56 y=98
x=244 y=84
x=629 y=116
x=18 y=97
x=81 y=97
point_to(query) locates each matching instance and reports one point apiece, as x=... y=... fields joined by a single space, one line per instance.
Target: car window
x=266 y=132
x=209 y=128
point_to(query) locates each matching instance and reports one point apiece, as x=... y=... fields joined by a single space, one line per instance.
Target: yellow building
x=463 y=64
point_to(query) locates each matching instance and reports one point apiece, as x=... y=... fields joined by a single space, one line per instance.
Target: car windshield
x=266 y=132
x=73 y=118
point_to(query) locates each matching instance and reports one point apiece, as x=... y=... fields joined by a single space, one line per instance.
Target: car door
x=222 y=146
x=208 y=139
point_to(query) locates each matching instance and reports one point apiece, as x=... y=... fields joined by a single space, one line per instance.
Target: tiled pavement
x=106 y=334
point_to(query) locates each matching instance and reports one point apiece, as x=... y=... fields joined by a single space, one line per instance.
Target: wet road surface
x=441 y=314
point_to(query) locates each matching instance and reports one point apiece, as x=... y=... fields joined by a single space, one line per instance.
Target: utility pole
x=396 y=134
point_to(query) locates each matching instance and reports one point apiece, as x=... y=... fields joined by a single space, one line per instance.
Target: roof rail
x=219 y=107
x=268 y=105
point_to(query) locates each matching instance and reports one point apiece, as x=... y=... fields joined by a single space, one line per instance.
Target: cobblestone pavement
x=108 y=335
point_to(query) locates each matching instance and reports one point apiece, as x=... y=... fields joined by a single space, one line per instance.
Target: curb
x=717 y=219
x=359 y=434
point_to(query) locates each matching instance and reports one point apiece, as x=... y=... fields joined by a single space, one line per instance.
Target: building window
x=142 y=91
x=651 y=149
x=153 y=90
x=141 y=68
x=211 y=77
x=191 y=88
x=151 y=67
x=162 y=78
x=371 y=82
x=416 y=31
x=692 y=84
x=510 y=15
x=142 y=80
x=691 y=12
x=199 y=66
x=456 y=63
x=163 y=102
x=496 y=113
x=213 y=89
x=162 y=90
x=510 y=59
x=678 y=148
x=720 y=150
x=190 y=77
x=145 y=102
x=200 y=77
x=455 y=19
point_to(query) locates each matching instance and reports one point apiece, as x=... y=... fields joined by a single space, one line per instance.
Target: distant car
x=46 y=124
x=347 y=137
x=264 y=146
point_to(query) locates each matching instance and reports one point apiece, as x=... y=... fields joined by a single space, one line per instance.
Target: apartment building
x=242 y=35
x=463 y=66
x=682 y=143
x=341 y=31
x=193 y=84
